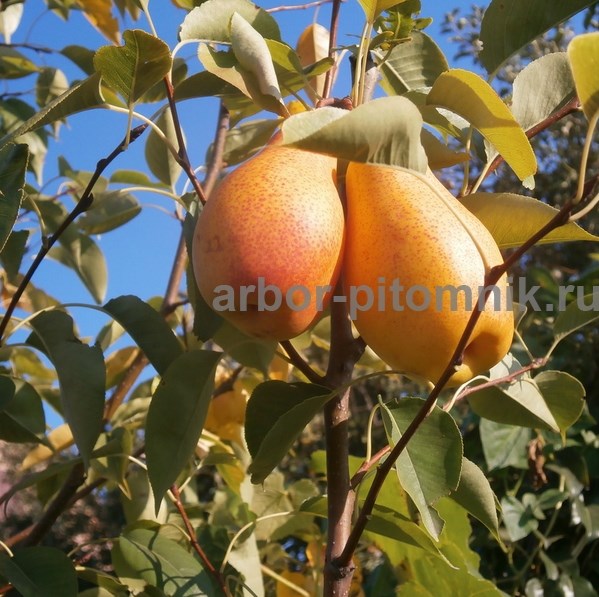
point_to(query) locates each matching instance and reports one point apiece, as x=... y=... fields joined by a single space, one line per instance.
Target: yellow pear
x=413 y=256
x=268 y=243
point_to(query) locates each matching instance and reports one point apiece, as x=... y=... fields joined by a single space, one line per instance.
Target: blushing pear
x=408 y=231
x=276 y=223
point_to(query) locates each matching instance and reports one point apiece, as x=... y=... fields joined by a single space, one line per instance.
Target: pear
x=274 y=224
x=408 y=240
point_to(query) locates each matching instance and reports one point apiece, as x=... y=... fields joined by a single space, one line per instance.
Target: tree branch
x=300 y=6
x=83 y=205
x=330 y=76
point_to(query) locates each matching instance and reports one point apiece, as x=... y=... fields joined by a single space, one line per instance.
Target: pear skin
x=404 y=227
x=276 y=220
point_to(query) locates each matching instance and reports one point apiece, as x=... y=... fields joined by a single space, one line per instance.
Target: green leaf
x=86 y=259
x=81 y=56
x=148 y=329
x=519 y=520
x=429 y=467
x=508 y=25
x=14 y=65
x=136 y=178
x=472 y=98
x=211 y=21
x=22 y=417
x=109 y=211
x=521 y=402
x=583 y=53
x=504 y=445
x=136 y=67
x=573 y=317
x=12 y=254
x=36 y=571
x=277 y=413
x=512 y=219
x=226 y=66
x=176 y=416
x=159 y=562
x=253 y=55
x=383 y=131
x=412 y=65
x=246 y=139
x=81 y=376
x=541 y=88
x=246 y=350
x=564 y=396
x=373 y=8
x=475 y=495
x=13 y=166
x=161 y=161
x=83 y=95
x=51 y=83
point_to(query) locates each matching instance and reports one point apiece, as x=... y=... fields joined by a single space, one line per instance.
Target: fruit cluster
x=278 y=220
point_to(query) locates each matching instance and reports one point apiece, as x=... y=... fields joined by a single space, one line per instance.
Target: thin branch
x=299 y=363
x=491 y=278
x=33 y=47
x=183 y=156
x=220 y=581
x=83 y=205
x=300 y=6
x=218 y=148
x=330 y=76
x=120 y=392
x=569 y=108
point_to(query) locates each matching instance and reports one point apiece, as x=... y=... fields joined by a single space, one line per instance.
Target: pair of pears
x=273 y=239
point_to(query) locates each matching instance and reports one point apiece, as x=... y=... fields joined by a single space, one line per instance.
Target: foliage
x=204 y=447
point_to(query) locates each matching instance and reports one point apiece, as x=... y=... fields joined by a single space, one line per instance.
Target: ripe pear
x=276 y=221
x=406 y=227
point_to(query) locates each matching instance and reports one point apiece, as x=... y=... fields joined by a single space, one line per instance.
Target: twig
x=120 y=392
x=182 y=151
x=330 y=76
x=83 y=205
x=218 y=148
x=34 y=47
x=536 y=364
x=491 y=278
x=57 y=506
x=194 y=542
x=569 y=108
x=300 y=6
x=299 y=363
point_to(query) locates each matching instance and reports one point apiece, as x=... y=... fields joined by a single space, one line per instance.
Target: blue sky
x=139 y=255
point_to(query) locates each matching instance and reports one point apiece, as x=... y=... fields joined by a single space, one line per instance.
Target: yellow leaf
x=278 y=369
x=294 y=579
x=99 y=14
x=472 y=98
x=60 y=439
x=583 y=53
x=312 y=46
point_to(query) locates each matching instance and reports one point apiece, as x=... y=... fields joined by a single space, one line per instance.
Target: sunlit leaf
x=60 y=438
x=13 y=166
x=10 y=17
x=109 y=211
x=160 y=562
x=412 y=65
x=99 y=14
x=429 y=467
x=512 y=219
x=148 y=329
x=136 y=67
x=583 y=53
x=373 y=8
x=14 y=65
x=312 y=46
x=35 y=571
x=51 y=84
x=508 y=25
x=176 y=416
x=211 y=21
x=472 y=98
x=81 y=376
x=541 y=88
x=564 y=396
x=81 y=56
x=438 y=154
x=384 y=131
x=277 y=413
x=519 y=520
